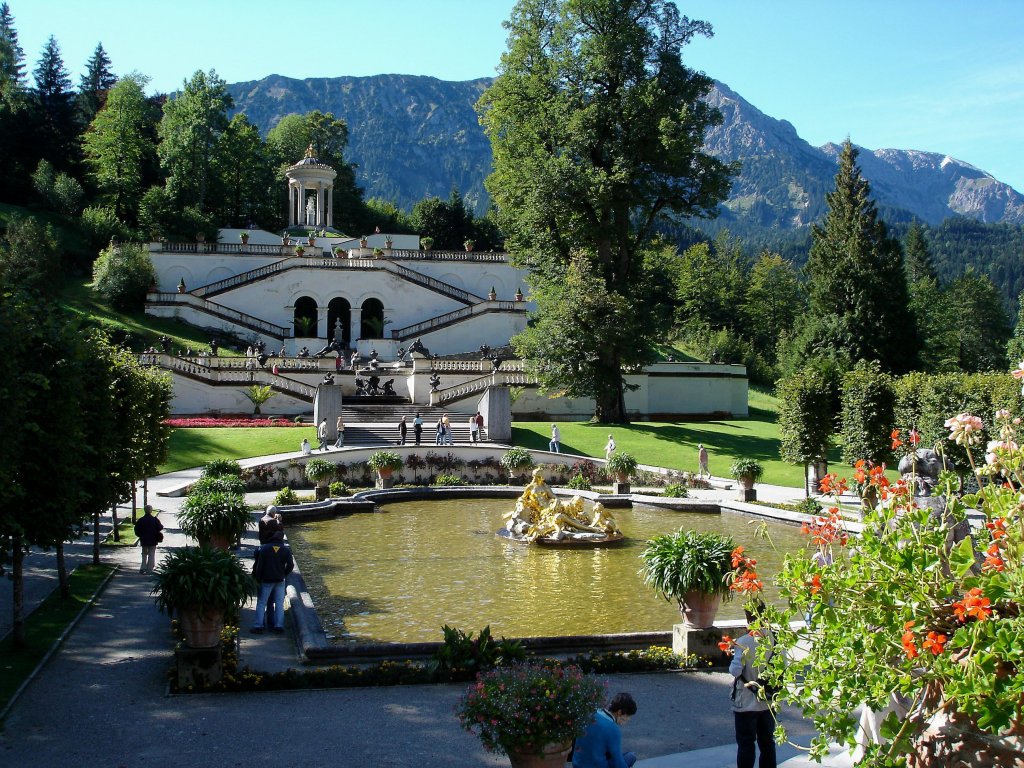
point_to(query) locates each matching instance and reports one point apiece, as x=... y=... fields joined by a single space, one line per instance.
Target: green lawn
x=194 y=447
x=674 y=444
x=664 y=444
x=43 y=626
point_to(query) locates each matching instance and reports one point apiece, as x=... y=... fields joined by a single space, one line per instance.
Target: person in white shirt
x=609 y=448
x=556 y=438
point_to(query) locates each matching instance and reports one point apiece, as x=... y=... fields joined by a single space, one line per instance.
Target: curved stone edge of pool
x=316 y=648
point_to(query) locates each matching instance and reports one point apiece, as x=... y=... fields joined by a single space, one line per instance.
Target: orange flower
x=815 y=584
x=909 y=647
x=896 y=442
x=998 y=528
x=935 y=642
x=974 y=604
x=993 y=557
x=725 y=644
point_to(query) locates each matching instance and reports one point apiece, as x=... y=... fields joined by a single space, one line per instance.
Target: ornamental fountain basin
x=399 y=574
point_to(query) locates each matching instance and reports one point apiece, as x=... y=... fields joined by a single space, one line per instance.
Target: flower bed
x=204 y=421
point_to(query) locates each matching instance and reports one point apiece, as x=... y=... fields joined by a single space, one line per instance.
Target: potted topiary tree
x=468 y=245
x=385 y=464
x=320 y=471
x=621 y=466
x=427 y=243
x=244 y=237
x=691 y=568
x=746 y=472
x=202 y=587
x=517 y=462
x=214 y=517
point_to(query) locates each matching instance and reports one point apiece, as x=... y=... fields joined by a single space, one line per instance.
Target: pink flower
x=964 y=429
x=1018 y=372
x=998 y=448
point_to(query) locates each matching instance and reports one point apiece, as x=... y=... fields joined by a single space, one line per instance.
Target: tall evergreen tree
x=859 y=305
x=97 y=81
x=1015 y=347
x=917 y=260
x=983 y=328
x=58 y=128
x=597 y=129
x=12 y=57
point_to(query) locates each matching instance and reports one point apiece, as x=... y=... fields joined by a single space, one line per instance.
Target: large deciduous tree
x=118 y=145
x=859 y=305
x=189 y=132
x=597 y=129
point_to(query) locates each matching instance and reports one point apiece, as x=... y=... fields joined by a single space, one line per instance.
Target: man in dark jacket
x=148 y=529
x=273 y=564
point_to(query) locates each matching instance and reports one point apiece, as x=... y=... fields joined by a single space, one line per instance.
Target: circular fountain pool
x=400 y=574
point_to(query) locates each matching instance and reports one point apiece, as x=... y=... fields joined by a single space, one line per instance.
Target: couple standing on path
x=273 y=562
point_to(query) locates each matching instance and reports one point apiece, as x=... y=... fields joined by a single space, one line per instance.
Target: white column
x=330 y=205
x=319 y=204
x=291 y=204
x=355 y=324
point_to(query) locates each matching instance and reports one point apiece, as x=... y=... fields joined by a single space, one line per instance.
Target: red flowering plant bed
x=921 y=612
x=239 y=421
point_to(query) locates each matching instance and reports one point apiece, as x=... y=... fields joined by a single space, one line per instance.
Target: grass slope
x=195 y=447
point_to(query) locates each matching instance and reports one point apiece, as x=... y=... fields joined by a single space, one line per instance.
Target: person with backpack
x=273 y=563
x=751 y=702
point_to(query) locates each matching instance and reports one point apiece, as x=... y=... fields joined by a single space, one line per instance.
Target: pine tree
x=95 y=84
x=859 y=305
x=1015 y=348
x=12 y=57
x=917 y=260
x=58 y=129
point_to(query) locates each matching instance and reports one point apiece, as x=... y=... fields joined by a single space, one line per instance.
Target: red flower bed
x=230 y=422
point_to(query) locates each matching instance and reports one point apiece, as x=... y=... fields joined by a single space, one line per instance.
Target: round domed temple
x=310 y=192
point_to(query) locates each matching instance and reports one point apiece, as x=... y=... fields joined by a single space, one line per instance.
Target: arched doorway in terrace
x=373 y=320
x=339 y=311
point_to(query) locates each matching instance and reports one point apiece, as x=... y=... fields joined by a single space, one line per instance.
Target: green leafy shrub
x=221 y=467
x=285 y=497
x=622 y=463
x=808 y=506
x=579 y=482
x=122 y=274
x=337 y=489
x=385 y=460
x=319 y=470
x=449 y=480
x=868 y=400
x=218 y=484
x=214 y=513
x=746 y=468
x=516 y=460
x=461 y=655
x=676 y=490
x=202 y=579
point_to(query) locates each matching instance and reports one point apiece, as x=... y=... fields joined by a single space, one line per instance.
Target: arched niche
x=305 y=321
x=372 y=326
x=340 y=310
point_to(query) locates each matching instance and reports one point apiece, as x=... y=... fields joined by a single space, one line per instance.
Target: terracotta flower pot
x=201 y=630
x=218 y=541
x=553 y=756
x=699 y=609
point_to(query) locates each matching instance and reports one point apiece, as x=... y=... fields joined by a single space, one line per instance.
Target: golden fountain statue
x=539 y=517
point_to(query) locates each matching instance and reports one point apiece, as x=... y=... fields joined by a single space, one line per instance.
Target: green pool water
x=400 y=574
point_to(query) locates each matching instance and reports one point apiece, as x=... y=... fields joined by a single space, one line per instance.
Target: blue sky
x=936 y=75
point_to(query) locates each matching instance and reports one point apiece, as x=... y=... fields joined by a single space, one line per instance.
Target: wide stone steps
x=369 y=425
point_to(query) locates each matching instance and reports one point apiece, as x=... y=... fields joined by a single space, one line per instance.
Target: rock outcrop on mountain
x=412 y=137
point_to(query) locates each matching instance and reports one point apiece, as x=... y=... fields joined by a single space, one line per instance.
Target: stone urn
x=699 y=609
x=553 y=756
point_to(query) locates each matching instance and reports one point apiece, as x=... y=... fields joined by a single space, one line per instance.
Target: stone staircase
x=377 y=424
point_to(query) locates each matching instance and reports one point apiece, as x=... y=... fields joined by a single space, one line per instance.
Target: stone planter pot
x=385 y=478
x=322 y=493
x=553 y=756
x=217 y=541
x=201 y=630
x=699 y=609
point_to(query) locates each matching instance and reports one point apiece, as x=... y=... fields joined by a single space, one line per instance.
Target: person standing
x=274 y=562
x=555 y=446
x=447 y=434
x=702 y=460
x=321 y=434
x=753 y=715
x=439 y=430
x=479 y=426
x=474 y=430
x=609 y=448
x=417 y=428
x=150 y=533
x=403 y=430
x=269 y=523
x=340 y=442
x=600 y=746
